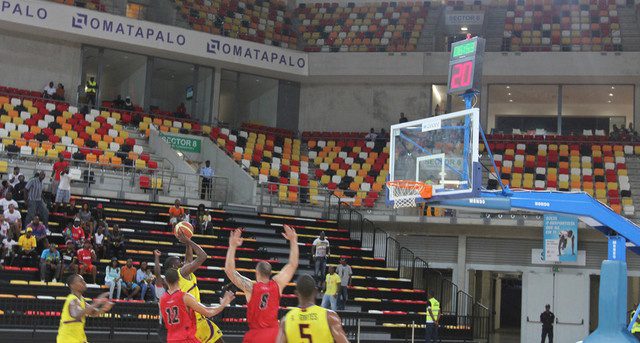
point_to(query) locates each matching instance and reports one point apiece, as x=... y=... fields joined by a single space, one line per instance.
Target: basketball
x=185 y=227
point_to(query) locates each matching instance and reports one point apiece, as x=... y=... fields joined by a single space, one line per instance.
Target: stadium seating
x=265 y=22
x=583 y=25
x=597 y=169
x=386 y=26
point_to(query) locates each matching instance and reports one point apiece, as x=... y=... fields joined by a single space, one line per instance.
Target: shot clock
x=465 y=65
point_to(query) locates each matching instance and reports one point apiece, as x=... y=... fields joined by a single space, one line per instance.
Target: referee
x=206 y=174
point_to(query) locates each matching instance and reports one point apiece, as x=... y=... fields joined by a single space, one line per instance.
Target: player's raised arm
x=192 y=303
x=282 y=336
x=335 y=325
x=286 y=274
x=190 y=267
x=156 y=268
x=246 y=285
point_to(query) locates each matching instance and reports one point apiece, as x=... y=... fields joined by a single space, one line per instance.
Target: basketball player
x=263 y=295
x=179 y=310
x=207 y=330
x=76 y=309
x=309 y=322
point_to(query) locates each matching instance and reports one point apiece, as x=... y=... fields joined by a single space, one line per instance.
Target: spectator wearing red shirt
x=86 y=256
x=77 y=233
x=58 y=167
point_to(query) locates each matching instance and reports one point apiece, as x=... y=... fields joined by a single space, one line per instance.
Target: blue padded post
x=612 y=305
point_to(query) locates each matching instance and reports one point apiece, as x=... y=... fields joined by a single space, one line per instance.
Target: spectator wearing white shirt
x=8 y=200
x=4 y=227
x=49 y=91
x=14 y=177
x=371 y=136
x=345 y=272
x=320 y=252
x=9 y=245
x=14 y=218
x=206 y=174
x=63 y=194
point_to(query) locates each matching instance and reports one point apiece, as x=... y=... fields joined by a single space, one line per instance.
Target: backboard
x=441 y=151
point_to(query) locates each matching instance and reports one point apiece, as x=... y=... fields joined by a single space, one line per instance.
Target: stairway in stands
x=629 y=29
x=494 y=27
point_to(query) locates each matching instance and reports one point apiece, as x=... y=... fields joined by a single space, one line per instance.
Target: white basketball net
x=405 y=196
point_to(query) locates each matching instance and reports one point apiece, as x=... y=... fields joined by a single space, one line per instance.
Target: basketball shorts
x=207 y=331
x=264 y=335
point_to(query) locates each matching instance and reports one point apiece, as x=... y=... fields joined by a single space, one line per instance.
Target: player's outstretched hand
x=227 y=298
x=101 y=297
x=182 y=238
x=157 y=253
x=290 y=234
x=235 y=238
x=107 y=306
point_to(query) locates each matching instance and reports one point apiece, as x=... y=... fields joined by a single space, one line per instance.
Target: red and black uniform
x=262 y=313
x=179 y=320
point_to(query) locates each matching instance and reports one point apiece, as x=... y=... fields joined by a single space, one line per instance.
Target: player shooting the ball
x=263 y=294
x=76 y=309
x=207 y=330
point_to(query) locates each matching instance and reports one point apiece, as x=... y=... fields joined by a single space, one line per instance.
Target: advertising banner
x=560 y=238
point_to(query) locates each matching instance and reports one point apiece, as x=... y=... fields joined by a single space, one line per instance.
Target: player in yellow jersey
x=207 y=331
x=76 y=309
x=309 y=322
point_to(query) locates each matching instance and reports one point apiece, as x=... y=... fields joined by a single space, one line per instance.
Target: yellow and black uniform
x=91 y=87
x=71 y=330
x=435 y=310
x=635 y=329
x=206 y=330
x=303 y=325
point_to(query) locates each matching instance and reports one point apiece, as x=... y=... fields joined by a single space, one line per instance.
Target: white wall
x=30 y=62
x=358 y=107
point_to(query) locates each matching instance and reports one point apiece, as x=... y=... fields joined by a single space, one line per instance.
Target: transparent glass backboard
x=441 y=151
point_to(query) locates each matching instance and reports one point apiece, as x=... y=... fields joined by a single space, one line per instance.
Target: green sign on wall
x=182 y=143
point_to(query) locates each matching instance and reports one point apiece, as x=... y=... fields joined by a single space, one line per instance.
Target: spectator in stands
x=49 y=91
x=13 y=177
x=86 y=257
x=116 y=244
x=86 y=218
x=330 y=297
x=27 y=247
x=205 y=226
x=5 y=228
x=18 y=189
x=77 y=233
x=40 y=232
x=9 y=246
x=98 y=214
x=402 y=119
x=69 y=260
x=63 y=194
x=206 y=174
x=128 y=105
x=35 y=204
x=614 y=135
x=437 y=111
x=176 y=213
x=58 y=167
x=320 y=252
x=14 y=218
x=371 y=136
x=382 y=136
x=145 y=278
x=90 y=90
x=50 y=263
x=59 y=95
x=5 y=188
x=99 y=241
x=128 y=276
x=112 y=278
x=118 y=103
x=8 y=200
x=345 y=272
x=181 y=111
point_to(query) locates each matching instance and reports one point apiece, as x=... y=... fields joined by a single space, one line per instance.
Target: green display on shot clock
x=464 y=49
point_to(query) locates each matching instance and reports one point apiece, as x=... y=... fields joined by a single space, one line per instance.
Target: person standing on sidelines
x=344 y=271
x=547 y=318
x=330 y=297
x=206 y=176
x=179 y=310
x=35 y=204
x=76 y=309
x=320 y=251
x=309 y=322
x=263 y=294
x=433 y=318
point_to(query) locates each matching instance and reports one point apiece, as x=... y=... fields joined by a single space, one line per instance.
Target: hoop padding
x=405 y=192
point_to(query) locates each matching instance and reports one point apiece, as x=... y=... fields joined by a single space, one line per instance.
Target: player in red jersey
x=179 y=310
x=263 y=295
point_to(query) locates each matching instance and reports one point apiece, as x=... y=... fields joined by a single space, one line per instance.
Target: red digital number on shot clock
x=461 y=75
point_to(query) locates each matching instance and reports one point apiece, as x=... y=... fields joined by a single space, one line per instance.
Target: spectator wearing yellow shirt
x=27 y=247
x=332 y=282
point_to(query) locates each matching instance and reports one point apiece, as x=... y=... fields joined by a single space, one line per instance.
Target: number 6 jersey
x=262 y=309
x=179 y=320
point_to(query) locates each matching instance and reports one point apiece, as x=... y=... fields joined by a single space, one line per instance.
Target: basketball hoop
x=405 y=192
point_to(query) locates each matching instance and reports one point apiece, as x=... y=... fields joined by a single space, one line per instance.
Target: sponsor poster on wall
x=560 y=238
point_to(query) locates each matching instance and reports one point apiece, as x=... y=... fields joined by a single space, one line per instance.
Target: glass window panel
x=123 y=74
x=589 y=107
x=523 y=107
x=169 y=83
